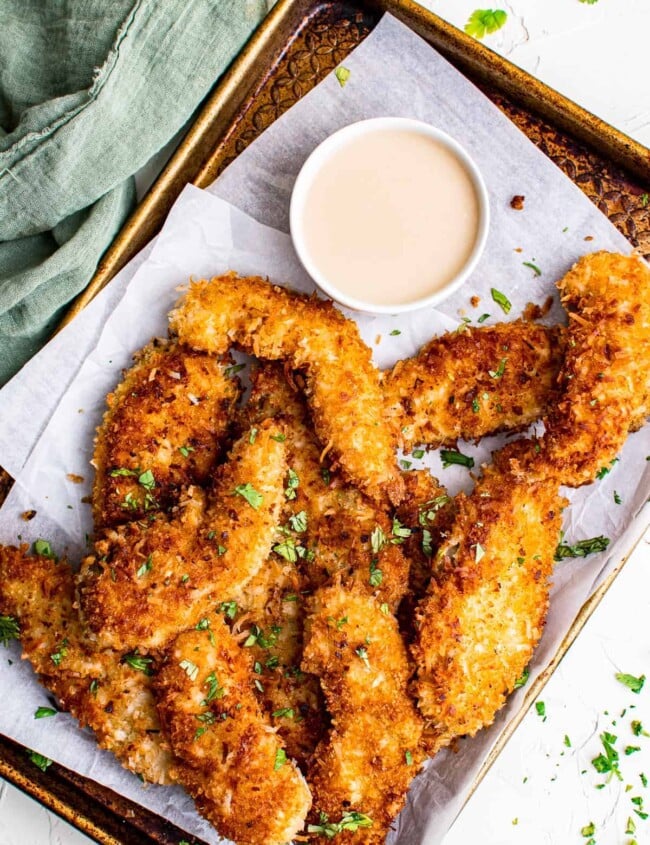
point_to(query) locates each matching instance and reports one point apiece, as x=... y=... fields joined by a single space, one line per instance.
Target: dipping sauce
x=391 y=216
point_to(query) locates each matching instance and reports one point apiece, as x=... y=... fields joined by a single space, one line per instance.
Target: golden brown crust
x=229 y=757
x=605 y=377
x=169 y=416
x=342 y=384
x=471 y=383
x=100 y=689
x=371 y=754
x=147 y=582
x=340 y=520
x=486 y=605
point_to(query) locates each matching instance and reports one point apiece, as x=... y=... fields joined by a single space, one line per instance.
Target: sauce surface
x=391 y=217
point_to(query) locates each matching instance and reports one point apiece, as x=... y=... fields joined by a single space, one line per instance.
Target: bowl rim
x=321 y=153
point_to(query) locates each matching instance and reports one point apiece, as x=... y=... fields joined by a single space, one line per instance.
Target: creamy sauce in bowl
x=389 y=216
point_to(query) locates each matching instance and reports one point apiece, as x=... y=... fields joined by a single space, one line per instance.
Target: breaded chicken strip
x=269 y=624
x=471 y=383
x=165 y=426
x=312 y=335
x=106 y=691
x=428 y=513
x=147 y=581
x=486 y=605
x=344 y=531
x=230 y=759
x=605 y=378
x=361 y=772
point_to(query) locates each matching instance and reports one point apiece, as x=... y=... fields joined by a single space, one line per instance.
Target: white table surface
x=540 y=791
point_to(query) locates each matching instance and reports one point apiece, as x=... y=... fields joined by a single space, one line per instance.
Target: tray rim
x=237 y=87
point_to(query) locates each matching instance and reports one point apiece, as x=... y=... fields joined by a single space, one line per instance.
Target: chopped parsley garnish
x=588 y=830
x=541 y=709
x=214 y=690
x=248 y=492
x=644 y=200
x=228 y=608
x=352 y=821
x=408 y=757
x=607 y=763
x=146 y=567
x=603 y=471
x=399 y=532
x=252 y=436
x=362 y=654
x=289 y=550
x=533 y=267
x=483 y=318
x=60 y=653
x=298 y=522
x=147 y=480
x=475 y=406
x=293 y=482
x=342 y=74
x=395 y=332
x=39 y=760
x=637 y=729
x=632 y=683
x=418 y=453
x=280 y=759
x=257 y=636
x=376 y=575
x=283 y=713
x=617 y=498
x=500 y=370
x=501 y=299
x=139 y=662
x=377 y=539
x=9 y=629
x=451 y=456
x=427 y=544
x=122 y=471
x=630 y=827
x=185 y=450
x=582 y=548
x=406 y=464
x=631 y=749
x=44 y=549
x=523 y=679
x=190 y=669
x=202 y=624
x=232 y=371
x=567 y=741
x=325 y=475
x=44 y=712
x=279 y=438
x=383 y=607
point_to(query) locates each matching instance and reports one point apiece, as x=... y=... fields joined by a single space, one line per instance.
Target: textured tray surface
x=319 y=43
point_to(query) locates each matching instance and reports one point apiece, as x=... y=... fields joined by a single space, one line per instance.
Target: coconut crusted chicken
x=342 y=384
x=165 y=426
x=108 y=691
x=228 y=756
x=149 y=580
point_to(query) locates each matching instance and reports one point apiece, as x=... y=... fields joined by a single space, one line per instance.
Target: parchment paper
x=51 y=408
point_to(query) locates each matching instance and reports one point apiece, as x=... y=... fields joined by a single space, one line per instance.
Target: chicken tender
x=270 y=626
x=344 y=531
x=342 y=384
x=165 y=426
x=230 y=759
x=147 y=581
x=471 y=383
x=486 y=605
x=360 y=773
x=107 y=691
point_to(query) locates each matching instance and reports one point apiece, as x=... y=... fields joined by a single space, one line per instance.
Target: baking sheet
x=392 y=72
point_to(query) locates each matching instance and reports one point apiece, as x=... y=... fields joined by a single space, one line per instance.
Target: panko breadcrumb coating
x=166 y=423
x=487 y=601
x=147 y=581
x=471 y=383
x=107 y=691
x=366 y=763
x=229 y=758
x=342 y=384
x=605 y=378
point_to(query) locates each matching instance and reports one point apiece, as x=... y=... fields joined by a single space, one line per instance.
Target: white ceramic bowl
x=331 y=145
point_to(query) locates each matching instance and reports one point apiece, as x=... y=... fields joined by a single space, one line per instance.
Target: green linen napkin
x=89 y=91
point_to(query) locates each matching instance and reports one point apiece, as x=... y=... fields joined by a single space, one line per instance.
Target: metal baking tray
x=297 y=45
